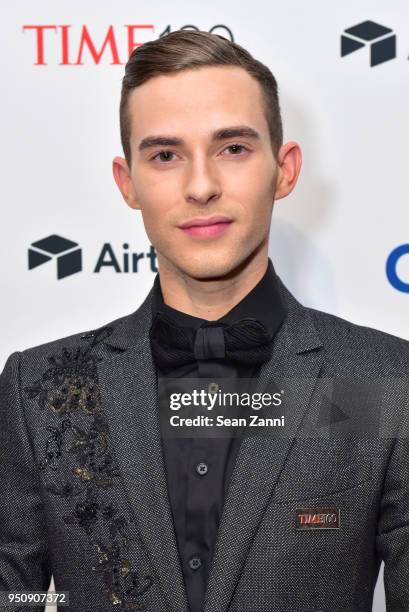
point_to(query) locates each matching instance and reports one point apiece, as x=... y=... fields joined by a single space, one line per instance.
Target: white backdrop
x=60 y=130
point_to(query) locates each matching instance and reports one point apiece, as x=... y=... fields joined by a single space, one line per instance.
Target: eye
x=236 y=146
x=164 y=152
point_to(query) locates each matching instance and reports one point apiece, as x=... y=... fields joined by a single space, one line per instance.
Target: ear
x=123 y=179
x=289 y=161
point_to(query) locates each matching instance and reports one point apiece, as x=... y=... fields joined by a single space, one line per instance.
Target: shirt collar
x=263 y=303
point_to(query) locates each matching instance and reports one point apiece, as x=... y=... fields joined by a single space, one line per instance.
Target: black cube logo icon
x=66 y=252
x=381 y=41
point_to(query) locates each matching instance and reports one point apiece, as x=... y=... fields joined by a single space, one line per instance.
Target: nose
x=202 y=182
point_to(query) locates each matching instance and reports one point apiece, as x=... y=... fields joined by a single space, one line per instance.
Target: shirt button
x=213 y=387
x=202 y=469
x=195 y=563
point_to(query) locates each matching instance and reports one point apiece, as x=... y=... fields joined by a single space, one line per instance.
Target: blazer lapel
x=129 y=396
x=260 y=461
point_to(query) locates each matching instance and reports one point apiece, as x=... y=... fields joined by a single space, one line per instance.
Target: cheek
x=254 y=183
x=157 y=219
x=150 y=186
x=151 y=215
x=154 y=200
x=255 y=203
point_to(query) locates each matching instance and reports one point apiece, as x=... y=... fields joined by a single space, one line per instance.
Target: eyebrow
x=235 y=131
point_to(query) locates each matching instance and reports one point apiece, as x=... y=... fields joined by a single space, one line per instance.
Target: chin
x=208 y=268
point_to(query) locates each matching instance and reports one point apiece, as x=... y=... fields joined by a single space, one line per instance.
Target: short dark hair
x=190 y=49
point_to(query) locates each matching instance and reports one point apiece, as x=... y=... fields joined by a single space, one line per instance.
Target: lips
x=200 y=221
x=205 y=228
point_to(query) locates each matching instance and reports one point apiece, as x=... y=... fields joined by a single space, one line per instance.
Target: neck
x=209 y=298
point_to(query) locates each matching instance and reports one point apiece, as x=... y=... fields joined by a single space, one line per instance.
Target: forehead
x=204 y=98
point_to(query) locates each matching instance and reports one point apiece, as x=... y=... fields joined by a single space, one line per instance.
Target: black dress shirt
x=198 y=470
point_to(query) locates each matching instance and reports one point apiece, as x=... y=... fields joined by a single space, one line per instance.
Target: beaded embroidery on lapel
x=69 y=388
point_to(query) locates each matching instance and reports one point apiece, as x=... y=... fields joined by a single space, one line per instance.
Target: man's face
x=232 y=176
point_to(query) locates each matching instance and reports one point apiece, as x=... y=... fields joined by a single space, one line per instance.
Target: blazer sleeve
x=392 y=538
x=24 y=560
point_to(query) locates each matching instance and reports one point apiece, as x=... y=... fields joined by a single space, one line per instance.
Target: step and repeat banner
x=75 y=256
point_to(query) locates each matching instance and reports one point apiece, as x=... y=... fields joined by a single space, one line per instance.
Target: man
x=94 y=493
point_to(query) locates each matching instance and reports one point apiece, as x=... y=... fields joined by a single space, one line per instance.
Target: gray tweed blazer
x=308 y=516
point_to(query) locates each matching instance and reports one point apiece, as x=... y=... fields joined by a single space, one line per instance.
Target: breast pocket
x=327 y=481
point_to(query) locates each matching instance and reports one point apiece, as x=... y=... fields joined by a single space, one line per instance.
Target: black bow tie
x=246 y=341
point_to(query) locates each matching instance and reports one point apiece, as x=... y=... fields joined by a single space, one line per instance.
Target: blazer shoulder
x=355 y=344
x=71 y=341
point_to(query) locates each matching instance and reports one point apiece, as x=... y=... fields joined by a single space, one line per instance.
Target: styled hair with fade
x=190 y=49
